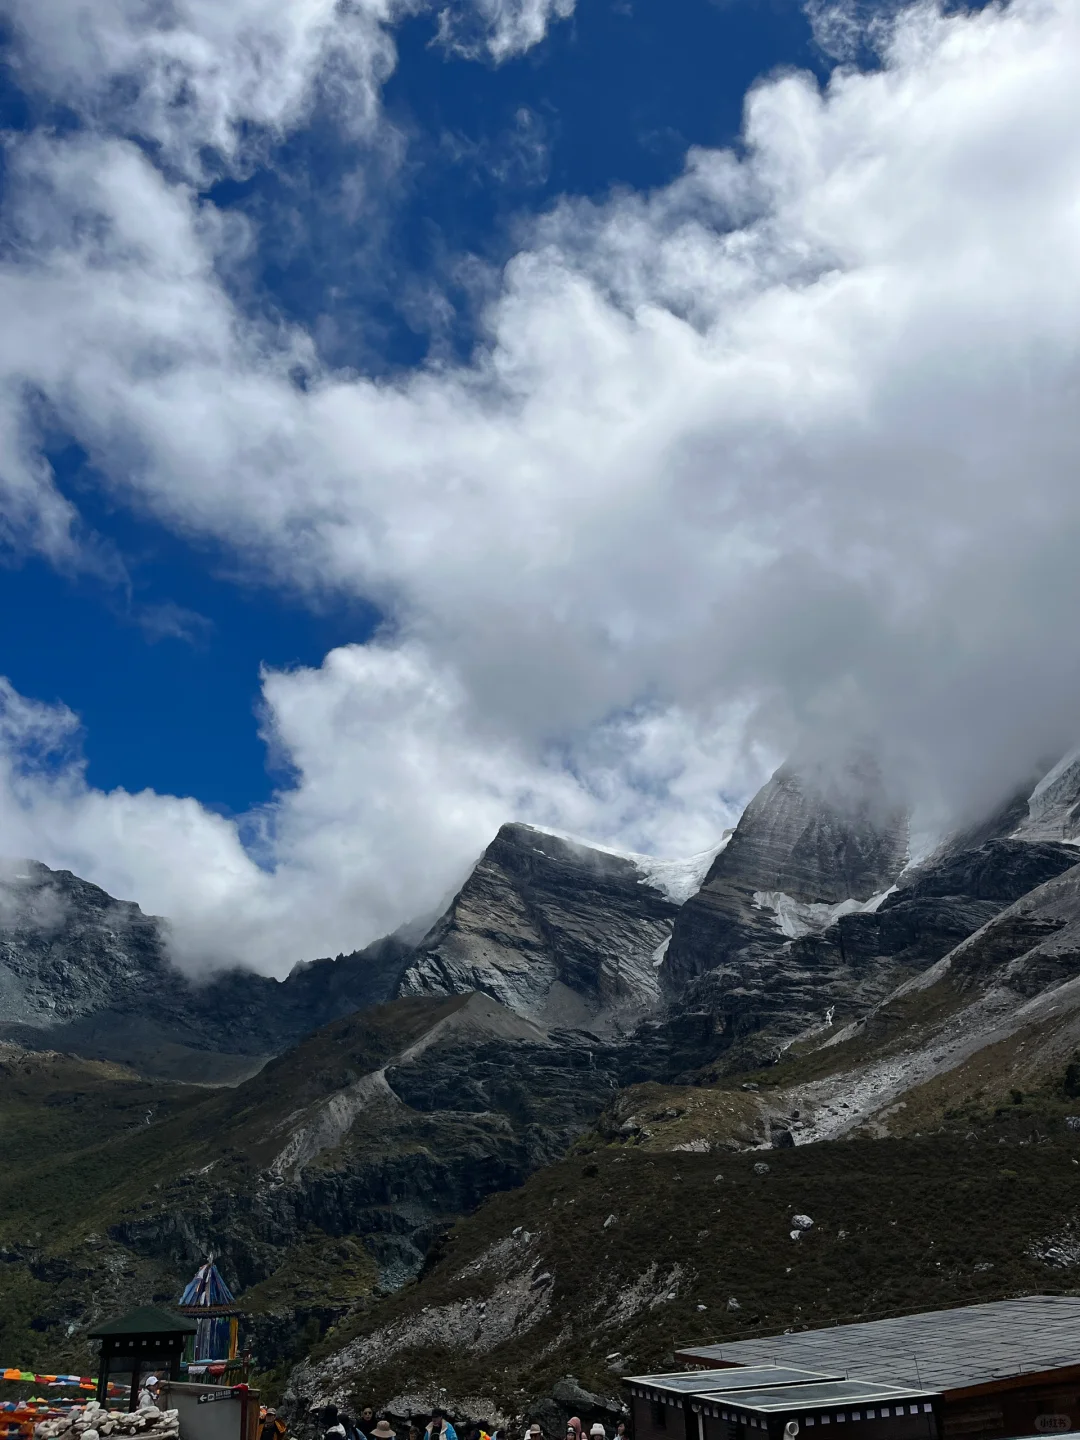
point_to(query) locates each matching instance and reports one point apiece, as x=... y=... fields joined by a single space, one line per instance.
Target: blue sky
x=160 y=657
x=421 y=414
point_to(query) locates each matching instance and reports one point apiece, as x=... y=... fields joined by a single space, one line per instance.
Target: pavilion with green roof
x=146 y=1340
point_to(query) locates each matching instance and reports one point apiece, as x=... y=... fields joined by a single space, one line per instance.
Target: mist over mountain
x=363 y=1122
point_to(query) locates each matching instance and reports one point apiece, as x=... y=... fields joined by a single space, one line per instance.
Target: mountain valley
x=527 y=1145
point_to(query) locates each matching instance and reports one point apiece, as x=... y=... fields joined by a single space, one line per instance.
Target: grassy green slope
x=89 y=1147
x=899 y=1225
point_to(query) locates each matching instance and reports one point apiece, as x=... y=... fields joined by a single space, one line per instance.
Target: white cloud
x=199 y=73
x=398 y=788
x=499 y=28
x=795 y=436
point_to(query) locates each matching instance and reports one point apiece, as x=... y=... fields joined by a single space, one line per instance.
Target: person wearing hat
x=272 y=1427
x=148 y=1395
x=384 y=1430
x=597 y=1432
x=534 y=1432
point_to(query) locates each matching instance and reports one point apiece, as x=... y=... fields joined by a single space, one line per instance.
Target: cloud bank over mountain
x=783 y=453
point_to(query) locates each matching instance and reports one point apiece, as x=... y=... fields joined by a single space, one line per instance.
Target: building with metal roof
x=769 y=1399
x=686 y=1382
x=867 y=1408
x=1009 y=1367
x=943 y=1349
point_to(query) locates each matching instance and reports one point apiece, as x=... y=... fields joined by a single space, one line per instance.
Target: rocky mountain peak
x=560 y=931
x=85 y=973
x=67 y=947
x=806 y=845
x=818 y=841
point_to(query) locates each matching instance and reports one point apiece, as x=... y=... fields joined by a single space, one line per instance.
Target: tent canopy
x=207 y=1293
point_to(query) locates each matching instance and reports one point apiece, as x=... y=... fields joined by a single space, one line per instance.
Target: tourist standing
x=439 y=1427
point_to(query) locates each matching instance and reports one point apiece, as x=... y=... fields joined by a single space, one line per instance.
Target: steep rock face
x=83 y=972
x=999 y=871
x=774 y=985
x=797 y=842
x=1000 y=1012
x=945 y=900
x=67 y=948
x=1053 y=810
x=1032 y=946
x=555 y=930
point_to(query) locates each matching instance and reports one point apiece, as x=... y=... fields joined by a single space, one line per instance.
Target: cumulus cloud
x=789 y=445
x=397 y=787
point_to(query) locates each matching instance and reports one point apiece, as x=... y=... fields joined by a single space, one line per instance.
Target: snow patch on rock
x=795 y=918
x=678 y=880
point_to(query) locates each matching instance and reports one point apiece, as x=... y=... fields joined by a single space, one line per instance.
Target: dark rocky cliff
x=747 y=971
x=83 y=972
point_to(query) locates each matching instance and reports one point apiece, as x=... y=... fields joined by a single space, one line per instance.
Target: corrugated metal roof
x=753 y=1377
x=943 y=1349
x=827 y=1396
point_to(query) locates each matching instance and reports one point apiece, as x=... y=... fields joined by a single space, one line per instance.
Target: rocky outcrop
x=558 y=931
x=1030 y=947
x=788 y=967
x=944 y=901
